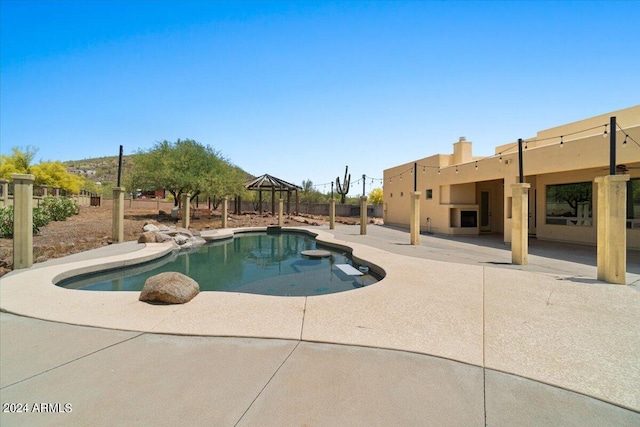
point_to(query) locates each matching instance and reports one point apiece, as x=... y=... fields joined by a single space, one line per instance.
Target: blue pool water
x=256 y=263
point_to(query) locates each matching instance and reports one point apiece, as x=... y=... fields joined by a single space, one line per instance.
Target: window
x=428 y=194
x=633 y=203
x=570 y=204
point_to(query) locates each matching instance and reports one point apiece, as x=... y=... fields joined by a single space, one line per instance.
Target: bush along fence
x=49 y=209
x=46 y=206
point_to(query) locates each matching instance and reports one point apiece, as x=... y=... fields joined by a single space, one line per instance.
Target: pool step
x=348 y=270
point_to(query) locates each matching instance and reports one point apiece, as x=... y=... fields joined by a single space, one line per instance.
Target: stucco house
x=461 y=194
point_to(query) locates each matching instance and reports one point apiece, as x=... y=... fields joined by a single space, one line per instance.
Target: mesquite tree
x=186 y=166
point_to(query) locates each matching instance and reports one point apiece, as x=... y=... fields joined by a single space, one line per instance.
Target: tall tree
x=180 y=167
x=52 y=174
x=19 y=161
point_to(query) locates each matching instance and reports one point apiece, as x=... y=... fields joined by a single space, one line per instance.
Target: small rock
x=184 y=232
x=170 y=287
x=180 y=239
x=147 y=237
x=150 y=227
x=162 y=237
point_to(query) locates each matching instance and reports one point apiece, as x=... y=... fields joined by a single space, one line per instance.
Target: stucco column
x=45 y=190
x=22 y=220
x=332 y=214
x=280 y=212
x=612 y=228
x=56 y=192
x=117 y=234
x=414 y=224
x=4 y=197
x=186 y=210
x=225 y=203
x=520 y=223
x=363 y=215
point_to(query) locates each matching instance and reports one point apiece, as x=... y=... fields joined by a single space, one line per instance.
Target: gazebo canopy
x=268 y=182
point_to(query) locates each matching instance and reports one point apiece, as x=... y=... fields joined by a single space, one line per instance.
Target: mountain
x=100 y=169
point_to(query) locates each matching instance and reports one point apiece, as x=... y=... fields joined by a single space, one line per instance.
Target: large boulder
x=169 y=288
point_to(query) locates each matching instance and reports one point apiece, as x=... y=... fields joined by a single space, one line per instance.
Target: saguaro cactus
x=344 y=188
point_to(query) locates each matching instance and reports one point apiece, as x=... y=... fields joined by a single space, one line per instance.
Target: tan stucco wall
x=626 y=118
x=581 y=158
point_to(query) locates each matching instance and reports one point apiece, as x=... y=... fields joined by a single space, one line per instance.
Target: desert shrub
x=59 y=208
x=40 y=219
x=6 y=221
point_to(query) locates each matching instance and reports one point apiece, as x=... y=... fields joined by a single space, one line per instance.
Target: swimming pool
x=255 y=262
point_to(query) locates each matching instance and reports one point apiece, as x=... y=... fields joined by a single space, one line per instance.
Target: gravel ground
x=92 y=229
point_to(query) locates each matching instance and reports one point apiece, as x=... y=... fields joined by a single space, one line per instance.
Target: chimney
x=462 y=151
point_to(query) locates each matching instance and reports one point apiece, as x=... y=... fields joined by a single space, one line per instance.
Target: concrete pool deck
x=453 y=335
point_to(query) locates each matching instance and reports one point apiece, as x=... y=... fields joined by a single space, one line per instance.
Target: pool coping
x=538 y=326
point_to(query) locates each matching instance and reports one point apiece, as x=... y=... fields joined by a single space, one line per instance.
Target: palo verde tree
x=375 y=196
x=52 y=174
x=19 y=161
x=184 y=166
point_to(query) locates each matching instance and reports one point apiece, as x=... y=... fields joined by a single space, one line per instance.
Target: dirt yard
x=92 y=229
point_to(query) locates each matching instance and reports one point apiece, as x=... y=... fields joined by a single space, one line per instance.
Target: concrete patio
x=453 y=335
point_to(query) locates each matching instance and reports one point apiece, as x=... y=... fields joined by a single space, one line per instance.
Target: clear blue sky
x=301 y=89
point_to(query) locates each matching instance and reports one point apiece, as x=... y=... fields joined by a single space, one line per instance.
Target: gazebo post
x=260 y=201
x=273 y=201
